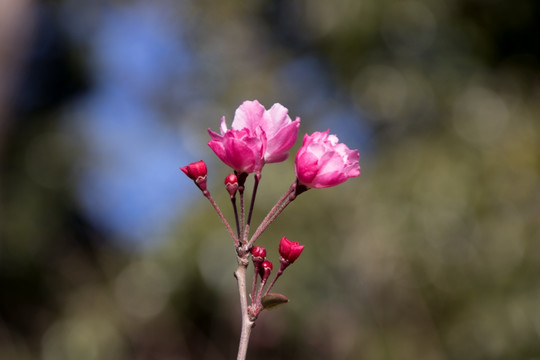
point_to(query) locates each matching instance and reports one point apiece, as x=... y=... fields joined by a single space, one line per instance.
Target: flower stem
x=255 y=186
x=216 y=207
x=259 y=293
x=233 y=200
x=247 y=323
x=255 y=277
x=278 y=274
x=273 y=214
x=242 y=212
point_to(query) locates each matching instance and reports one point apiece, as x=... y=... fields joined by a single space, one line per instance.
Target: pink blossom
x=239 y=149
x=323 y=162
x=257 y=136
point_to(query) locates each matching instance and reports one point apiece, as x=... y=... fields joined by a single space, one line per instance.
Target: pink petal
x=275 y=118
x=215 y=136
x=317 y=149
x=329 y=179
x=282 y=142
x=248 y=115
x=331 y=161
x=219 y=150
x=240 y=156
x=306 y=167
x=223 y=126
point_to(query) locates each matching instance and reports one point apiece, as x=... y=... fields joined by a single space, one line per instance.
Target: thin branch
x=255 y=186
x=278 y=274
x=241 y=187
x=273 y=214
x=242 y=215
x=216 y=207
x=233 y=200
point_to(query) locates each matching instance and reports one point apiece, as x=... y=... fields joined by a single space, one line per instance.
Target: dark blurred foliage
x=108 y=252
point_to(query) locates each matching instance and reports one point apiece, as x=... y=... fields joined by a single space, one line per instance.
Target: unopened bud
x=265 y=271
x=289 y=251
x=197 y=171
x=258 y=251
x=231 y=184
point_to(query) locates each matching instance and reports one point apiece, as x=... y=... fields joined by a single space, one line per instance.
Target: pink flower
x=239 y=149
x=257 y=136
x=323 y=162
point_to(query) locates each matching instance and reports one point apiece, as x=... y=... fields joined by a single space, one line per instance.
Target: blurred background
x=107 y=251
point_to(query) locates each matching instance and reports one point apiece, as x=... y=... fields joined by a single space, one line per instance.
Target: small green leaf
x=270 y=301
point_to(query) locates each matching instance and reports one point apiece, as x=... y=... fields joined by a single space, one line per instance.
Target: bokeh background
x=107 y=251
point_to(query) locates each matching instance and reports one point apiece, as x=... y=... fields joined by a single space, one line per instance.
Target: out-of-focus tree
x=432 y=253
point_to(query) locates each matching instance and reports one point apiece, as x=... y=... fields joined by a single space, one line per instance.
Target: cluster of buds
x=261 y=299
x=258 y=137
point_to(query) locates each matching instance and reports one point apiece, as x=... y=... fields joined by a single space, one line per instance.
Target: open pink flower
x=257 y=136
x=240 y=149
x=323 y=162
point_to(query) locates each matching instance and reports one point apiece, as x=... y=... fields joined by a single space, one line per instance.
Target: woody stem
x=247 y=322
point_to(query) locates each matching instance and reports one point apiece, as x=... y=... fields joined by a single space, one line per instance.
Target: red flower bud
x=231 y=184
x=266 y=269
x=289 y=250
x=197 y=171
x=258 y=251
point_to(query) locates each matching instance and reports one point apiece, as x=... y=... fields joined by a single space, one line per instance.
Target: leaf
x=270 y=301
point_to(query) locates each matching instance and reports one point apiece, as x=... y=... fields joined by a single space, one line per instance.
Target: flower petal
x=278 y=146
x=249 y=115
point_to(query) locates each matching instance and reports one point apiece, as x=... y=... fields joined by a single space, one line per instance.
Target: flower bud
x=258 y=251
x=197 y=171
x=231 y=184
x=265 y=271
x=289 y=250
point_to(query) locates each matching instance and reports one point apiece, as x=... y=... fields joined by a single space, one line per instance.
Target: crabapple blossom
x=257 y=136
x=323 y=161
